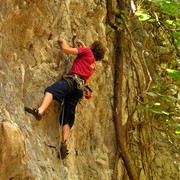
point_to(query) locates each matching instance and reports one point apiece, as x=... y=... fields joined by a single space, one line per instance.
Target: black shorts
x=66 y=89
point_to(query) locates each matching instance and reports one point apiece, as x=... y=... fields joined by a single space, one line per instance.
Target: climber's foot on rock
x=34 y=112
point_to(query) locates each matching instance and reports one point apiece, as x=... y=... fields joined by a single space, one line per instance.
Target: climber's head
x=98 y=50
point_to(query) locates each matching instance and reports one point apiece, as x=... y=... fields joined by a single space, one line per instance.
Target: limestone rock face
x=13 y=152
x=30 y=60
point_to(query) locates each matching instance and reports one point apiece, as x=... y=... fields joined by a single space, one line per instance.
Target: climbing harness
x=79 y=80
x=80 y=84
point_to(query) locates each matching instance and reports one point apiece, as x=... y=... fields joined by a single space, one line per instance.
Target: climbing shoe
x=63 y=152
x=34 y=112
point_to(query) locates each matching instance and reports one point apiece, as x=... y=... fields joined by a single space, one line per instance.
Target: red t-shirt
x=85 y=63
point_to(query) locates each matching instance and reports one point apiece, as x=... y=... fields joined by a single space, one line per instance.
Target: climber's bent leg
x=57 y=91
x=48 y=97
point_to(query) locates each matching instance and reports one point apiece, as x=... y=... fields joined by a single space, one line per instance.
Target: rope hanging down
x=61 y=124
x=60 y=138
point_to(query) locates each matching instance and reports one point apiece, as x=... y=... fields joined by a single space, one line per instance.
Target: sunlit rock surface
x=30 y=60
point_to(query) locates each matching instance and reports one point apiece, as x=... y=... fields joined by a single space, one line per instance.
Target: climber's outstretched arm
x=81 y=43
x=66 y=48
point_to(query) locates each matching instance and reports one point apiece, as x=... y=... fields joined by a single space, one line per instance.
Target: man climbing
x=70 y=88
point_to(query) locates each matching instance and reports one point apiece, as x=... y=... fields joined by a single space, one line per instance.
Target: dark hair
x=98 y=50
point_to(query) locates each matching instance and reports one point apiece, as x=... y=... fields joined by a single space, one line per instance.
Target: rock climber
x=70 y=88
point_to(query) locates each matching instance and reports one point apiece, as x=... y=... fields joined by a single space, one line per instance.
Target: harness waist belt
x=76 y=76
x=79 y=80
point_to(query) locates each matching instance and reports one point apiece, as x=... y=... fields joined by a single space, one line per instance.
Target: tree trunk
x=118 y=83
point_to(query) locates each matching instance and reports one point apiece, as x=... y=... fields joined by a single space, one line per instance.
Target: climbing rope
x=60 y=139
x=61 y=124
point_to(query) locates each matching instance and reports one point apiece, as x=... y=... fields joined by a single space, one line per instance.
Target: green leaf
x=156 y=111
x=159 y=111
x=169 y=98
x=172 y=23
x=152 y=94
x=142 y=15
x=176 y=36
x=116 y=10
x=171 y=123
x=177 y=42
x=140 y=107
x=175 y=125
x=166 y=113
x=157 y=104
x=177 y=131
x=175 y=74
x=176 y=23
x=154 y=86
x=151 y=20
x=119 y=20
x=171 y=8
